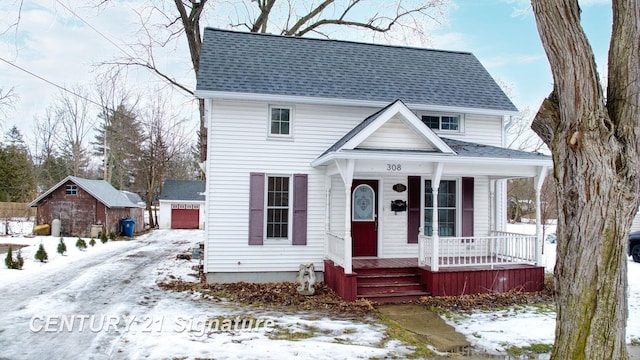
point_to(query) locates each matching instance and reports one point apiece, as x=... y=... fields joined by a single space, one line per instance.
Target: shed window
x=71 y=190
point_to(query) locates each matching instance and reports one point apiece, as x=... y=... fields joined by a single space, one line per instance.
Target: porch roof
x=462 y=152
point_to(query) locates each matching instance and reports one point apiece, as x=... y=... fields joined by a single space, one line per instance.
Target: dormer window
x=442 y=122
x=71 y=190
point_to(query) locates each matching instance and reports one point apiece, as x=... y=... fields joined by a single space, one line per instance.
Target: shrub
x=19 y=261
x=13 y=264
x=112 y=235
x=41 y=254
x=81 y=244
x=92 y=242
x=103 y=237
x=8 y=261
x=62 y=247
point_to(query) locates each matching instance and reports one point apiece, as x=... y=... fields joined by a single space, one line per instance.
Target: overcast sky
x=63 y=40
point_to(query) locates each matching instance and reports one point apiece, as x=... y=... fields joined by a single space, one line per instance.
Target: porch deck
x=394 y=263
x=402 y=279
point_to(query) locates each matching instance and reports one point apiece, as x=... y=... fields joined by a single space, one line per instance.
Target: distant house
x=384 y=166
x=182 y=205
x=82 y=203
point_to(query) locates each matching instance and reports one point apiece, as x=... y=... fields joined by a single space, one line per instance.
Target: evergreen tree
x=8 y=261
x=81 y=244
x=92 y=242
x=103 y=237
x=41 y=254
x=13 y=264
x=62 y=247
x=17 y=180
x=117 y=143
x=19 y=260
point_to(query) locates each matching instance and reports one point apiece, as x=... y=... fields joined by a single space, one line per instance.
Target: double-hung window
x=278 y=207
x=447 y=209
x=442 y=122
x=280 y=118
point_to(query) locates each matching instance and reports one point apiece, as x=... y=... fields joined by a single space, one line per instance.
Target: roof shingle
x=240 y=62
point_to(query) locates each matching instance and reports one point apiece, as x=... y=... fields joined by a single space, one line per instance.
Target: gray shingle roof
x=99 y=189
x=468 y=149
x=268 y=64
x=186 y=190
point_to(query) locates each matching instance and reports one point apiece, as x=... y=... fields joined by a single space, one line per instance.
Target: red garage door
x=185 y=216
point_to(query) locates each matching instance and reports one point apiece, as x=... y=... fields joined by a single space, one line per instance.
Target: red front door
x=364 y=217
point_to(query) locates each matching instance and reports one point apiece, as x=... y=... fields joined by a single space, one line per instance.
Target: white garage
x=181 y=205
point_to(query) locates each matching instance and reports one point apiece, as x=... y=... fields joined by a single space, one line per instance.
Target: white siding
x=396 y=135
x=481 y=129
x=164 y=215
x=394 y=226
x=238 y=145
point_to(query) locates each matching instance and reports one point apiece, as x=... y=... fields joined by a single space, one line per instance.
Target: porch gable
x=395 y=121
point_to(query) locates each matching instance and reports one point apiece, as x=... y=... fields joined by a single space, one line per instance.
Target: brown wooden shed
x=82 y=203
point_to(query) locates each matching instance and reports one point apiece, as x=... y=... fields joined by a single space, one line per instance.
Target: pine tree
x=62 y=247
x=9 y=259
x=81 y=244
x=92 y=242
x=103 y=237
x=19 y=261
x=41 y=254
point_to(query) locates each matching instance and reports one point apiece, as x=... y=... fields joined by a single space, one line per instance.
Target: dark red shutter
x=467 y=206
x=300 y=209
x=256 y=209
x=413 y=209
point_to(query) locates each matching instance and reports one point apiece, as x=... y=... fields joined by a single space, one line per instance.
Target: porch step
x=395 y=297
x=389 y=285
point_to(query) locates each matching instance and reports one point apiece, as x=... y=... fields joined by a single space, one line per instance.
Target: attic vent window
x=71 y=190
x=441 y=122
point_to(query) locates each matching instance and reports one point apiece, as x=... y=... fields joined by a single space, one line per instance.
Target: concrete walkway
x=427 y=325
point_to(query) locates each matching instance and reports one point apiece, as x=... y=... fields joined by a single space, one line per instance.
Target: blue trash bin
x=128 y=225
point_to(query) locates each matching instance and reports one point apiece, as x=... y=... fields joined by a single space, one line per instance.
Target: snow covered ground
x=103 y=303
x=106 y=301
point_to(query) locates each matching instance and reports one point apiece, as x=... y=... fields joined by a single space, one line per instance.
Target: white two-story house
x=365 y=160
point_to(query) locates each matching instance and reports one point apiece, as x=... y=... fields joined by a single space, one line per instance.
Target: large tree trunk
x=595 y=153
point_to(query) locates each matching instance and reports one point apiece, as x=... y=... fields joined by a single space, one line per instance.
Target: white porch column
x=327 y=213
x=348 y=241
x=435 y=186
x=346 y=169
x=538 y=181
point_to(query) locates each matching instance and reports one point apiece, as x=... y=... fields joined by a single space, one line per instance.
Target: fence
x=16 y=210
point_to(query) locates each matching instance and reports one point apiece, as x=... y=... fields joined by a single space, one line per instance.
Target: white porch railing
x=335 y=248
x=498 y=249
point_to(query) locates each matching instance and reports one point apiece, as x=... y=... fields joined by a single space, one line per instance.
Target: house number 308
x=394 y=167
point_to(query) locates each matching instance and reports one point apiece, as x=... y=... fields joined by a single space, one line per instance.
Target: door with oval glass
x=364 y=217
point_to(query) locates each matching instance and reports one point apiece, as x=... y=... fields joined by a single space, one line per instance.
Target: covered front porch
x=424 y=215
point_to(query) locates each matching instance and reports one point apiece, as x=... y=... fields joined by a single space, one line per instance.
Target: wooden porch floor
x=391 y=263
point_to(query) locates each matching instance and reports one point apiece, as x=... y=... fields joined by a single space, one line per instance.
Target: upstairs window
x=442 y=122
x=280 y=121
x=71 y=190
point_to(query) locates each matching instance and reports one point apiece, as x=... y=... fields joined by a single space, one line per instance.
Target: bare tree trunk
x=595 y=154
